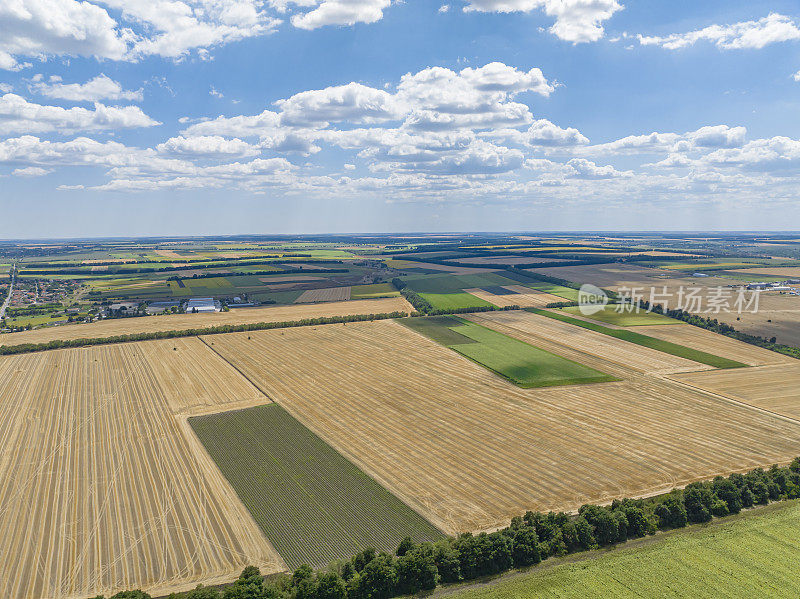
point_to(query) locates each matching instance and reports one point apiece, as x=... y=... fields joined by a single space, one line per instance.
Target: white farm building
x=203 y=304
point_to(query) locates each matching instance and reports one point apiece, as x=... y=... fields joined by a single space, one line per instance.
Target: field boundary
x=666 y=347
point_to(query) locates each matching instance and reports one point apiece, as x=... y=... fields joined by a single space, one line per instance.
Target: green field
x=610 y=315
x=453 y=301
x=751 y=555
x=375 y=290
x=312 y=504
x=519 y=362
x=645 y=341
x=566 y=292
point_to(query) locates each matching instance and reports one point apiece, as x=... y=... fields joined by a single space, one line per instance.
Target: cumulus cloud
x=18 y=115
x=796 y=76
x=138 y=28
x=340 y=12
x=771 y=29
x=576 y=20
x=353 y=102
x=101 y=87
x=207 y=146
x=37 y=28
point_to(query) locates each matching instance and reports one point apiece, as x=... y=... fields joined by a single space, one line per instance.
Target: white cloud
x=340 y=12
x=139 y=28
x=576 y=20
x=17 y=115
x=101 y=87
x=796 y=76
x=777 y=155
x=545 y=133
x=206 y=147
x=444 y=8
x=6 y=87
x=586 y=169
x=715 y=136
x=37 y=28
x=215 y=92
x=353 y=102
x=31 y=171
x=771 y=29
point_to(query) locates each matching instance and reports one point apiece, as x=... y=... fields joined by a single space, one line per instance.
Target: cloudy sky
x=157 y=117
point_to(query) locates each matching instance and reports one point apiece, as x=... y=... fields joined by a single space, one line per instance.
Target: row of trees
x=528 y=540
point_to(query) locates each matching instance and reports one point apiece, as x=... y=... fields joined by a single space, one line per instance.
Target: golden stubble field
x=149 y=324
x=469 y=450
x=103 y=486
x=775 y=388
x=524 y=297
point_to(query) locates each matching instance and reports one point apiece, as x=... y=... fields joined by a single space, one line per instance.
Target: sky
x=213 y=117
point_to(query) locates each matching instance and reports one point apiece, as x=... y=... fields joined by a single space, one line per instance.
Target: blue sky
x=169 y=117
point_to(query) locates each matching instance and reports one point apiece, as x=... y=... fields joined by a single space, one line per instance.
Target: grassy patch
x=312 y=503
x=566 y=292
x=452 y=301
x=517 y=361
x=376 y=290
x=438 y=329
x=645 y=341
x=753 y=555
x=609 y=315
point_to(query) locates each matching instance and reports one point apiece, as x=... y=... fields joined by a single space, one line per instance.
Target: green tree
x=405 y=546
x=526 y=547
x=417 y=571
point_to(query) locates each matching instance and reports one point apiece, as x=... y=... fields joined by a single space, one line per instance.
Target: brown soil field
x=327 y=294
x=772 y=388
x=789 y=272
x=100 y=486
x=719 y=345
x=127 y=326
x=292 y=278
x=524 y=298
x=613 y=276
x=455 y=270
x=469 y=450
x=539 y=330
x=506 y=260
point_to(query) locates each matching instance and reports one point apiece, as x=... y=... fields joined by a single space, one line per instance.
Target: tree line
x=526 y=541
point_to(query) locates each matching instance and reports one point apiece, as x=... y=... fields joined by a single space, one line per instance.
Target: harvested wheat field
x=101 y=487
x=468 y=449
x=195 y=380
x=713 y=343
x=524 y=297
x=327 y=294
x=572 y=341
x=772 y=388
x=129 y=326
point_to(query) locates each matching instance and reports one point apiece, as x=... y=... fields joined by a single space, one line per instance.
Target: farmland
x=519 y=362
x=772 y=388
x=454 y=301
x=752 y=555
x=329 y=294
x=516 y=295
x=645 y=341
x=100 y=482
x=311 y=502
x=620 y=316
x=467 y=449
x=578 y=339
x=124 y=326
